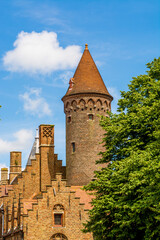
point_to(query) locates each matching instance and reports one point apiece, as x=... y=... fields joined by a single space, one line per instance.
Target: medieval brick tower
x=86 y=98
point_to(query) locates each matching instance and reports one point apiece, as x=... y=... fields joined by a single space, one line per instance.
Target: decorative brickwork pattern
x=47 y=132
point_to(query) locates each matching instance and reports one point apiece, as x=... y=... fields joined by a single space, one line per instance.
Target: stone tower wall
x=83 y=133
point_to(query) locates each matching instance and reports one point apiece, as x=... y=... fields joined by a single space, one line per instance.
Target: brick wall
x=83 y=130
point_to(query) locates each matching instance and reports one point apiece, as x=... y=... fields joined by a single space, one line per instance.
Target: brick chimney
x=4 y=176
x=46 y=147
x=15 y=165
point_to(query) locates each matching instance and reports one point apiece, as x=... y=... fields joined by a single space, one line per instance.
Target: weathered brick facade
x=41 y=202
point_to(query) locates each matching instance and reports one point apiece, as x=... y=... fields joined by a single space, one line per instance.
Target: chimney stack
x=4 y=176
x=15 y=165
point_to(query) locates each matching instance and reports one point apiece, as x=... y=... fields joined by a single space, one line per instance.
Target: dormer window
x=90 y=116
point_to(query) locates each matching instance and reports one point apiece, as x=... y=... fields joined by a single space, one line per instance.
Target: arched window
x=59 y=236
x=58 y=215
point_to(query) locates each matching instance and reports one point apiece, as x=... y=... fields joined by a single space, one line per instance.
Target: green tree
x=127 y=192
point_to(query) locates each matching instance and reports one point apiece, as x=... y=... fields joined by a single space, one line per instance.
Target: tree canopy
x=127 y=191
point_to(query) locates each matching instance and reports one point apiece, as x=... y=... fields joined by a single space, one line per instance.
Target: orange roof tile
x=4 y=190
x=87 y=78
x=84 y=196
x=27 y=203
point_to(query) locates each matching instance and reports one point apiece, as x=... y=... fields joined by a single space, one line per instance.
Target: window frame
x=90 y=117
x=58 y=214
x=58 y=209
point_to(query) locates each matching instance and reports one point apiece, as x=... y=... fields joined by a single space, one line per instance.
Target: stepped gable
x=85 y=197
x=87 y=78
x=4 y=190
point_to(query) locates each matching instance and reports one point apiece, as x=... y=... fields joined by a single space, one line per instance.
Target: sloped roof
x=28 y=204
x=4 y=190
x=87 y=78
x=85 y=198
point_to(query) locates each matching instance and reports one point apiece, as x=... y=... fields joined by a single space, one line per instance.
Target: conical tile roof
x=87 y=78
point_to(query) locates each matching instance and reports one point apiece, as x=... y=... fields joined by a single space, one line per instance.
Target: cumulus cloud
x=40 y=53
x=34 y=104
x=65 y=77
x=22 y=139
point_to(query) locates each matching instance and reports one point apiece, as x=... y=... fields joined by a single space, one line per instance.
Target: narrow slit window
x=73 y=147
x=69 y=119
x=90 y=116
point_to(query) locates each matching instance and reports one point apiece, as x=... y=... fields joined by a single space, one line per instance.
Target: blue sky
x=40 y=46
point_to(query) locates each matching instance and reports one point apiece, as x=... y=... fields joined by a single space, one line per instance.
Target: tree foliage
x=127 y=192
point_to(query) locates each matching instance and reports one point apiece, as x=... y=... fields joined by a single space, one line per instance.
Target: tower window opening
x=90 y=116
x=90 y=108
x=69 y=119
x=58 y=219
x=73 y=147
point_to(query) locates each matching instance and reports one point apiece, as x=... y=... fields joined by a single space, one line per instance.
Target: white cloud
x=22 y=139
x=40 y=53
x=34 y=104
x=65 y=77
x=2 y=165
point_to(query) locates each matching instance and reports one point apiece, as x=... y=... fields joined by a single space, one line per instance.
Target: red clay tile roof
x=27 y=204
x=87 y=78
x=84 y=196
x=4 y=190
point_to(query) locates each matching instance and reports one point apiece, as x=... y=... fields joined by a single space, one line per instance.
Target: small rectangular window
x=73 y=147
x=90 y=116
x=58 y=219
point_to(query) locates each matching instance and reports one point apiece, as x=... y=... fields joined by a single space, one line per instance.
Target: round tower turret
x=86 y=98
